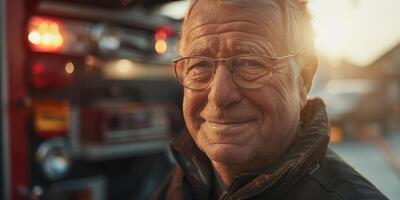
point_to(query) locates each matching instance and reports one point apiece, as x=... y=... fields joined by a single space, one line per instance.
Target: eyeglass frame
x=215 y=62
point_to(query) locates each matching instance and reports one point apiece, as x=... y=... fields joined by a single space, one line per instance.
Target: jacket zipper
x=223 y=195
x=273 y=182
x=279 y=177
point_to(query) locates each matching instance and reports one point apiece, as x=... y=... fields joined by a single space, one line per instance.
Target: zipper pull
x=222 y=197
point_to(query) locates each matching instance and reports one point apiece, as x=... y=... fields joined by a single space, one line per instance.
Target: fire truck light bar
x=46 y=35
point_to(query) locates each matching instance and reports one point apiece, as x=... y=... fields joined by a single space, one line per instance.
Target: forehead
x=247 y=26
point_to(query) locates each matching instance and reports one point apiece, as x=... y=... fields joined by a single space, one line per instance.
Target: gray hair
x=299 y=34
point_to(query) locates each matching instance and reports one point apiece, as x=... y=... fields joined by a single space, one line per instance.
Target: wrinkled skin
x=241 y=130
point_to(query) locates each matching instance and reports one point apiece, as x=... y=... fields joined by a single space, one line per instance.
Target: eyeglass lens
x=247 y=71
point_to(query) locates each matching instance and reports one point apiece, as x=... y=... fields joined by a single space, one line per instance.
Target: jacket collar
x=306 y=151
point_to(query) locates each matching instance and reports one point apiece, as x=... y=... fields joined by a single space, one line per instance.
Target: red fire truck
x=89 y=101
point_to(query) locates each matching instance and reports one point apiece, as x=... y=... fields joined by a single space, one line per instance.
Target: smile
x=228 y=124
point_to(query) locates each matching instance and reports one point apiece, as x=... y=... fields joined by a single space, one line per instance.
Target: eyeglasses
x=248 y=71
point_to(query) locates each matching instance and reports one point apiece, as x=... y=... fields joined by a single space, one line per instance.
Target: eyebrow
x=198 y=49
x=239 y=47
x=248 y=47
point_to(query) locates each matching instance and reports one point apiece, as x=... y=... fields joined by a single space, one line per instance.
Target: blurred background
x=358 y=77
x=89 y=101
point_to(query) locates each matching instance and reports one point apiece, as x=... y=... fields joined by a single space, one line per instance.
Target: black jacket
x=308 y=170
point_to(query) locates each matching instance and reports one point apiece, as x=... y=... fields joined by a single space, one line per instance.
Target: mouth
x=225 y=122
x=229 y=123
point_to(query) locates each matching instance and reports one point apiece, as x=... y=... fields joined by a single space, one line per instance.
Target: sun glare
x=359 y=31
x=330 y=25
x=329 y=40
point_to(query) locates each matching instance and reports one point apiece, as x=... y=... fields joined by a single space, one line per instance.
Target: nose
x=223 y=91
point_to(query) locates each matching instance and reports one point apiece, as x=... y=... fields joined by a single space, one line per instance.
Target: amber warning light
x=161 y=36
x=46 y=35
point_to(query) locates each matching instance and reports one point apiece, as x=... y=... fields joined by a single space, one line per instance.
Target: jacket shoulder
x=341 y=181
x=174 y=187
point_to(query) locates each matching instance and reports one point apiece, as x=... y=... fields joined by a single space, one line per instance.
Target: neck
x=225 y=174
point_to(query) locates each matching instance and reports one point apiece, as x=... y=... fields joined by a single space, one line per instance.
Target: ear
x=309 y=66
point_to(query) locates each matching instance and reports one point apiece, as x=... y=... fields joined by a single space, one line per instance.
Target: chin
x=227 y=154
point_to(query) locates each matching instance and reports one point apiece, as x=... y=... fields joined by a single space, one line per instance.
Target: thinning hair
x=298 y=32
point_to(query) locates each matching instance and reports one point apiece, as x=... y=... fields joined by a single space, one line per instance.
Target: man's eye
x=252 y=72
x=251 y=76
x=195 y=71
x=250 y=63
x=198 y=68
x=199 y=71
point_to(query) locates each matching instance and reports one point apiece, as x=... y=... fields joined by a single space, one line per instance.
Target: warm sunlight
x=357 y=30
x=330 y=38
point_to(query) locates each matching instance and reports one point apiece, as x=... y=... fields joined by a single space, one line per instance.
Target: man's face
x=233 y=125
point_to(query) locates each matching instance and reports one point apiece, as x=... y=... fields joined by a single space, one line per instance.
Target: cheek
x=193 y=102
x=279 y=104
x=287 y=101
x=280 y=114
x=286 y=87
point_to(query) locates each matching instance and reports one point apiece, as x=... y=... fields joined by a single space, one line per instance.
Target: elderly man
x=251 y=133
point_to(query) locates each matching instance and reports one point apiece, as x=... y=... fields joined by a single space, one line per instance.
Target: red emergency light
x=163 y=33
x=46 y=35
